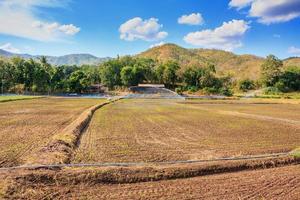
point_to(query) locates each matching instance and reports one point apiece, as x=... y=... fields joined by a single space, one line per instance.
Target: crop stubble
x=166 y=130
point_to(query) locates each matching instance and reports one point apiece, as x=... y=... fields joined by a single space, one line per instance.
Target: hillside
x=72 y=59
x=293 y=61
x=226 y=62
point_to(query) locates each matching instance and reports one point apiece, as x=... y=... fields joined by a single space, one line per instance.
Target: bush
x=246 y=84
x=271 y=91
x=193 y=89
x=179 y=90
x=226 y=92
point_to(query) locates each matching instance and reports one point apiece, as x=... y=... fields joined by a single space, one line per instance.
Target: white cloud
x=10 y=48
x=157 y=44
x=139 y=29
x=294 y=51
x=270 y=11
x=18 y=18
x=192 y=19
x=239 y=4
x=226 y=37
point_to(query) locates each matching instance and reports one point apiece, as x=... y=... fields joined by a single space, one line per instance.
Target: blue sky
x=112 y=27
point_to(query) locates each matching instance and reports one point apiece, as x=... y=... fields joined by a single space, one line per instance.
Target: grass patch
x=296 y=153
x=15 y=98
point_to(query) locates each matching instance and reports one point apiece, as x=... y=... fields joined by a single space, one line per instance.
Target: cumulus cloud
x=239 y=4
x=157 y=44
x=10 y=48
x=18 y=18
x=226 y=37
x=139 y=29
x=294 y=51
x=192 y=19
x=270 y=11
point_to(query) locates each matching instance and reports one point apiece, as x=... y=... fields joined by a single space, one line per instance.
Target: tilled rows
x=167 y=130
x=26 y=126
x=277 y=183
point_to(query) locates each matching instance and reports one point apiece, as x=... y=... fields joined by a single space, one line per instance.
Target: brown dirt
x=165 y=130
x=26 y=126
x=276 y=183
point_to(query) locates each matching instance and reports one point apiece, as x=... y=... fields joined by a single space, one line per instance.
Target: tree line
x=18 y=75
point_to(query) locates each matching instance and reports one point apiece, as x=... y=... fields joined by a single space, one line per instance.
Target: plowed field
x=168 y=130
x=26 y=126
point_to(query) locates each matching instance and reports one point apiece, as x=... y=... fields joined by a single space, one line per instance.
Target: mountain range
x=71 y=59
x=240 y=66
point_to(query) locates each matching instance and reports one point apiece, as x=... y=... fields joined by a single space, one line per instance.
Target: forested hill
x=72 y=59
x=241 y=66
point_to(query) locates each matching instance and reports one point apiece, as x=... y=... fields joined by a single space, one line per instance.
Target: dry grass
x=119 y=183
x=26 y=126
x=164 y=130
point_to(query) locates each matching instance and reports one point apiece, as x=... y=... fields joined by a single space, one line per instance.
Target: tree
x=110 y=73
x=170 y=73
x=191 y=76
x=289 y=80
x=271 y=70
x=78 y=82
x=246 y=84
x=128 y=76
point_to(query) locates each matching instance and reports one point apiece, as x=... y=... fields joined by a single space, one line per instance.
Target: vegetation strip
x=135 y=164
x=4 y=99
x=60 y=149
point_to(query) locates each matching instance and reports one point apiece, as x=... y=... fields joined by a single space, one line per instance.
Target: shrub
x=246 y=84
x=271 y=91
x=179 y=90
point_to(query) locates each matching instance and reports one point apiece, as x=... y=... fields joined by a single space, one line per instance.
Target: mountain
x=72 y=59
x=241 y=66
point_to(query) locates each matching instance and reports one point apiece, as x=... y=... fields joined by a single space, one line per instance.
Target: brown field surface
x=168 y=130
x=26 y=126
x=276 y=183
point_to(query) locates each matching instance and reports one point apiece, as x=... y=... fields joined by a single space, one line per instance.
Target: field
x=281 y=183
x=14 y=98
x=26 y=126
x=276 y=183
x=143 y=132
x=164 y=130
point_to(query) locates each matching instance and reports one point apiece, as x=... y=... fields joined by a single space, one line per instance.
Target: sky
x=126 y=27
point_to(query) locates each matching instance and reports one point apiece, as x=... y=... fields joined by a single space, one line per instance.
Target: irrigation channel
x=142 y=164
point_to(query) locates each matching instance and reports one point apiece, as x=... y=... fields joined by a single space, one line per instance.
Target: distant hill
x=72 y=59
x=241 y=66
x=226 y=62
x=292 y=61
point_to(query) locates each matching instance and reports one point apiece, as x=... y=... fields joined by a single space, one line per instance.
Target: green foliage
x=271 y=70
x=289 y=80
x=179 y=90
x=246 y=84
x=38 y=76
x=271 y=91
